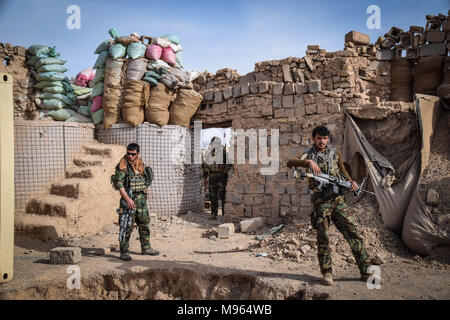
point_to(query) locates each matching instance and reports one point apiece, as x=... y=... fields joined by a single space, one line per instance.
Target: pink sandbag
x=168 y=56
x=83 y=77
x=153 y=52
x=96 y=103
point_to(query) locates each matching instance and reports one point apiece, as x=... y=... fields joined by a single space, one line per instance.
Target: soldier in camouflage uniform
x=323 y=157
x=215 y=176
x=132 y=174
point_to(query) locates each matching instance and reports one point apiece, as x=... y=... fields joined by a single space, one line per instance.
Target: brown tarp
x=401 y=207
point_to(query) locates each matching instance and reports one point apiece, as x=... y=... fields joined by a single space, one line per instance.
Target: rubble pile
x=142 y=80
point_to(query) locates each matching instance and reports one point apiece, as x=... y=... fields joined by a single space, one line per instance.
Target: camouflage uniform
x=217 y=175
x=138 y=183
x=334 y=209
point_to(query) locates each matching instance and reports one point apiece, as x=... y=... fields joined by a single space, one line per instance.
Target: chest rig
x=136 y=181
x=327 y=161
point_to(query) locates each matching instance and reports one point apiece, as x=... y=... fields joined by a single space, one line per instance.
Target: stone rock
x=287 y=73
x=250 y=225
x=225 y=230
x=314 y=86
x=357 y=38
x=432 y=197
x=377 y=260
x=65 y=255
x=305 y=248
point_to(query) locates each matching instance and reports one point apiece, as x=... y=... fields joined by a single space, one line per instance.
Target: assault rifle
x=126 y=218
x=329 y=183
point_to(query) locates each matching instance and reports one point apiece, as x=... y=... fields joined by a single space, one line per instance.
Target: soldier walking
x=132 y=175
x=323 y=157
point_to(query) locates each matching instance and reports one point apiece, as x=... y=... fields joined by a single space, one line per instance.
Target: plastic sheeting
x=401 y=207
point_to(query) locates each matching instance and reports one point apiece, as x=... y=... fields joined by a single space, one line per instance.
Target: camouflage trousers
x=142 y=220
x=336 y=210
x=217 y=189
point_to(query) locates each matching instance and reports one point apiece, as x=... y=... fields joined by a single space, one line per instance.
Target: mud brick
x=299 y=111
x=267 y=110
x=301 y=88
x=278 y=88
x=310 y=63
x=218 y=97
x=258 y=188
x=394 y=33
x=406 y=39
x=291 y=189
x=277 y=102
x=284 y=140
x=433 y=49
x=310 y=108
x=309 y=98
x=245 y=89
x=227 y=93
x=19 y=51
x=412 y=53
x=288 y=101
x=314 y=86
x=254 y=87
x=259 y=76
x=287 y=75
x=278 y=113
x=357 y=38
x=263 y=87
x=306 y=200
x=65 y=255
x=416 y=29
x=385 y=54
x=289 y=88
x=250 y=225
x=236 y=91
x=322 y=108
x=334 y=108
x=225 y=230
x=249 y=77
x=298 y=101
x=388 y=43
x=289 y=112
x=435 y=36
x=209 y=95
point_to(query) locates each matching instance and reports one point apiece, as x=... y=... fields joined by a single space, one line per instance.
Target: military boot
x=327 y=279
x=150 y=252
x=125 y=256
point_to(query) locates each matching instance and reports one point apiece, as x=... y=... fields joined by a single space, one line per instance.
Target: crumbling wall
x=12 y=61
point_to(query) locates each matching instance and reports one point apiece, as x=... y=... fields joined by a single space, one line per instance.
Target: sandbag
x=81 y=91
x=97 y=90
x=162 y=42
x=52 y=68
x=101 y=59
x=113 y=72
x=111 y=105
x=427 y=74
x=179 y=59
x=84 y=110
x=176 y=47
x=97 y=116
x=61 y=115
x=32 y=61
x=83 y=77
x=37 y=49
x=43 y=84
x=44 y=61
x=54 y=89
x=184 y=107
x=97 y=103
x=134 y=100
x=103 y=46
x=117 y=51
x=136 y=69
x=168 y=56
x=136 y=50
x=401 y=80
x=50 y=76
x=153 y=52
x=99 y=76
x=53 y=104
x=152 y=81
x=78 y=118
x=158 y=65
x=113 y=33
x=172 y=38
x=157 y=109
x=57 y=96
x=125 y=40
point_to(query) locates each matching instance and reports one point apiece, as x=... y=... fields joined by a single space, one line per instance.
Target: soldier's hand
x=315 y=168
x=130 y=204
x=354 y=185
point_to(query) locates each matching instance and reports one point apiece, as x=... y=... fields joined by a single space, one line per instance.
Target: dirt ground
x=182 y=272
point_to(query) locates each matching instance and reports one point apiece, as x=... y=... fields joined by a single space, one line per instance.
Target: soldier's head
x=133 y=151
x=320 y=137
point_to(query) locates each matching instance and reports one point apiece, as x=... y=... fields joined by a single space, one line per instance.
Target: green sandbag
x=153 y=74
x=81 y=91
x=99 y=76
x=52 y=68
x=53 y=104
x=84 y=110
x=71 y=96
x=44 y=61
x=136 y=50
x=32 y=61
x=58 y=96
x=51 y=52
x=117 y=51
x=97 y=116
x=61 y=114
x=179 y=58
x=103 y=46
x=44 y=84
x=172 y=38
x=36 y=49
x=151 y=80
x=100 y=63
x=67 y=85
x=51 y=76
x=54 y=89
x=78 y=118
x=97 y=90
x=113 y=33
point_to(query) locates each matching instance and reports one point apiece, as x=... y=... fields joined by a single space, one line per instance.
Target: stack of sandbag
x=157 y=108
x=135 y=97
x=443 y=90
x=184 y=107
x=113 y=89
x=55 y=94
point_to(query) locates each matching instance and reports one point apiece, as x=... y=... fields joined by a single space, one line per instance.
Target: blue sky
x=214 y=34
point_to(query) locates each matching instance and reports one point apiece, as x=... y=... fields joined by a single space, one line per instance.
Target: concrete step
x=79 y=173
x=97 y=149
x=48 y=205
x=87 y=160
x=40 y=227
x=69 y=188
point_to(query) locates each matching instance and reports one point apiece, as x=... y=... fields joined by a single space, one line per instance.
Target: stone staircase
x=80 y=204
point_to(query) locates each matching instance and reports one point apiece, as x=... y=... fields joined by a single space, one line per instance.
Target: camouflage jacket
x=123 y=178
